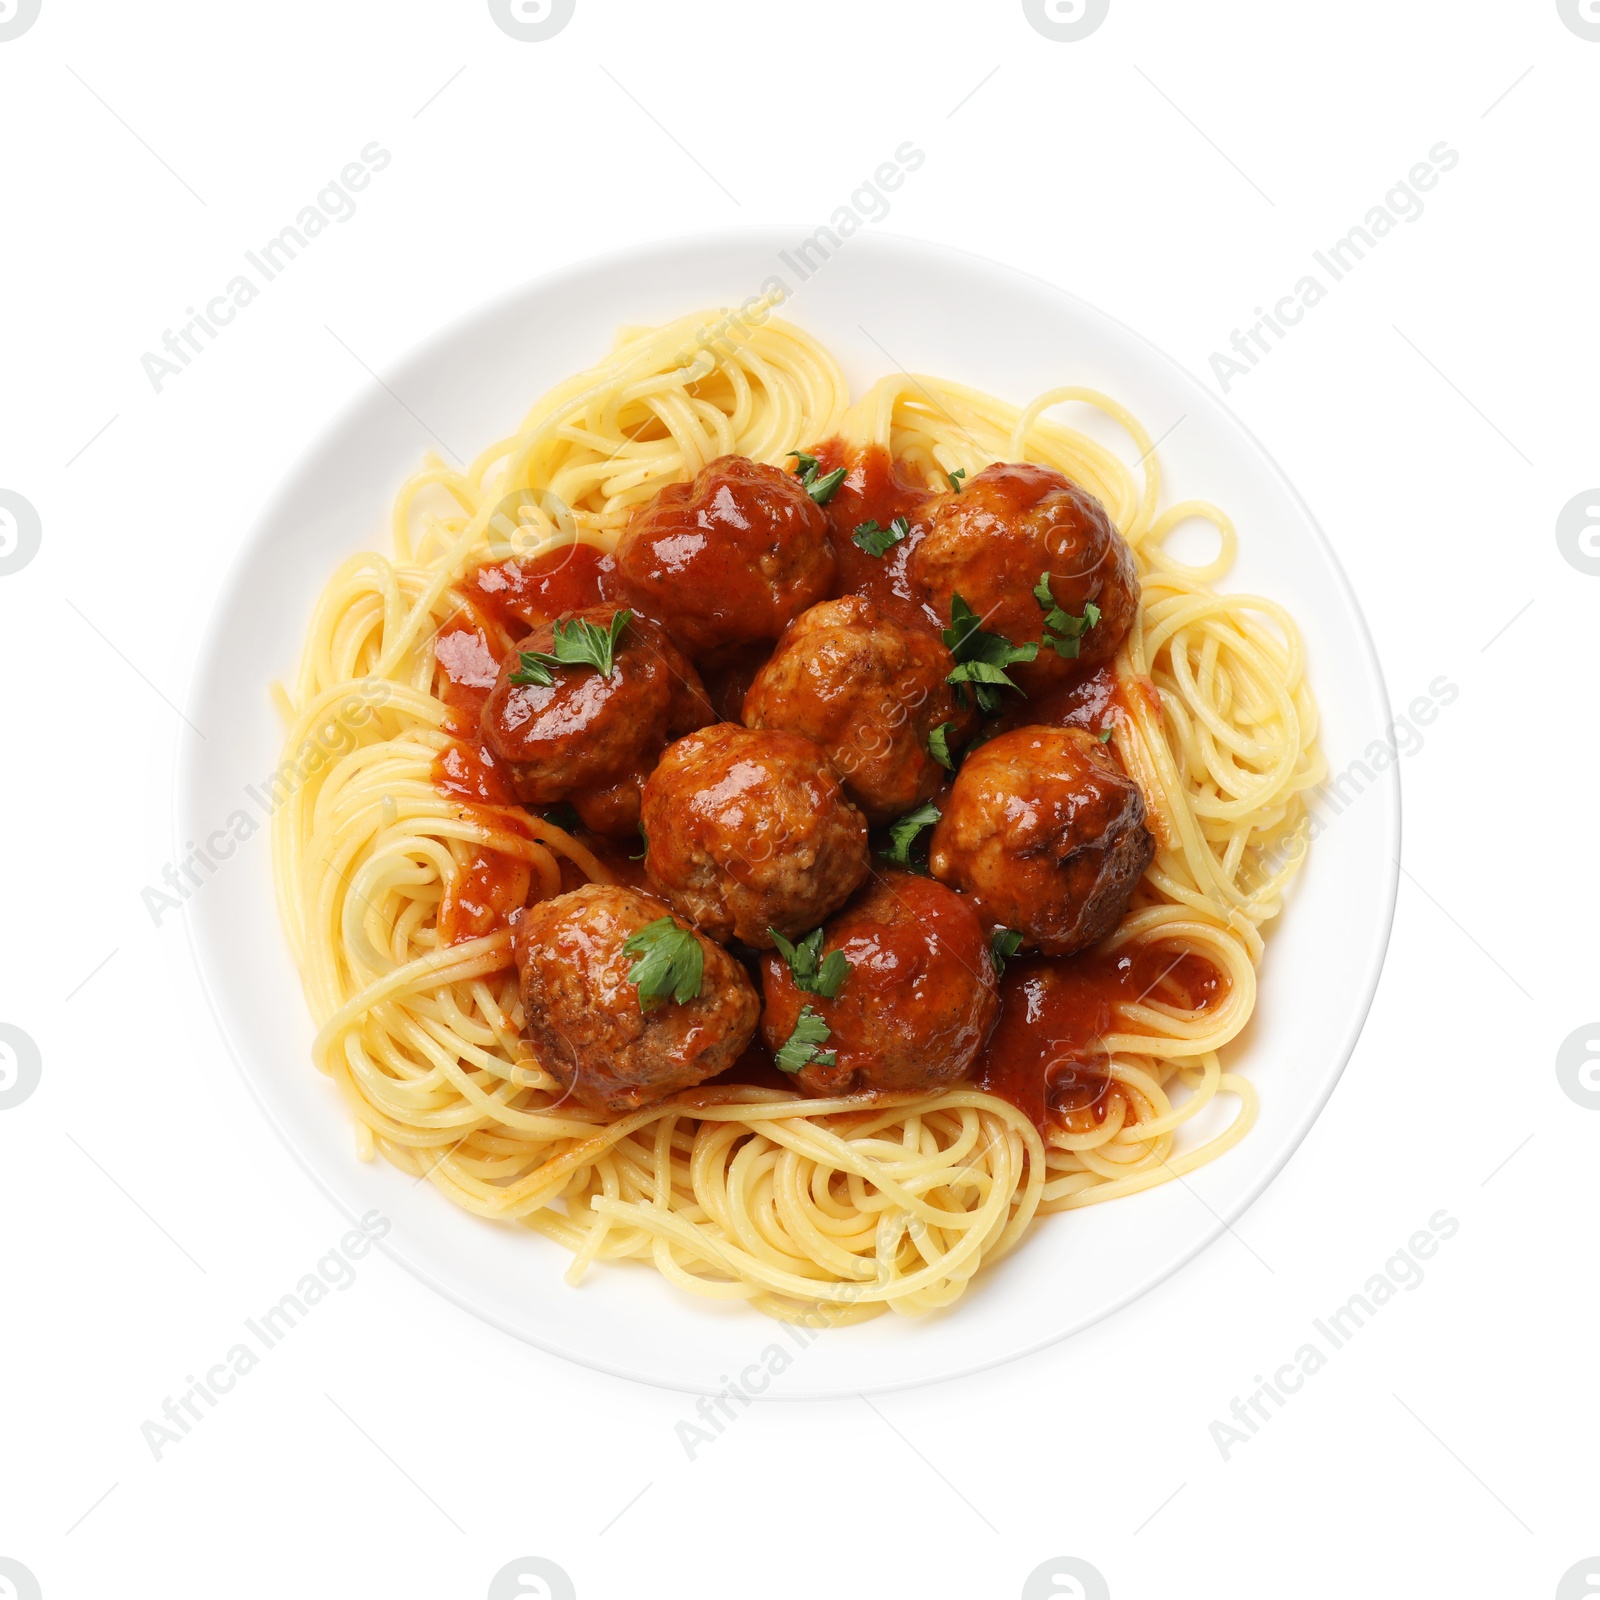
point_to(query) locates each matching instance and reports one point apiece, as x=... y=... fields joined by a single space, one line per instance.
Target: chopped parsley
x=801 y=1048
x=577 y=644
x=1003 y=944
x=981 y=658
x=939 y=745
x=820 y=489
x=670 y=962
x=644 y=847
x=1063 y=632
x=956 y=477
x=876 y=540
x=1105 y=737
x=561 y=816
x=902 y=835
x=812 y=972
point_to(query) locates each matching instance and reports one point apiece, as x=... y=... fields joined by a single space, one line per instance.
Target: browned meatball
x=919 y=1000
x=869 y=692
x=746 y=831
x=732 y=557
x=990 y=543
x=608 y=1048
x=592 y=737
x=1046 y=833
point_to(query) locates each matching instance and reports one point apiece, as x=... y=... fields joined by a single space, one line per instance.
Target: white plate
x=878 y=303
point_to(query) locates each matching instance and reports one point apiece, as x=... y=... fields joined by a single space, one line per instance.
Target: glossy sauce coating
x=592 y=737
x=870 y=692
x=876 y=489
x=1045 y=1055
x=729 y=558
x=502 y=601
x=1046 y=833
x=749 y=831
x=584 y=1016
x=991 y=541
x=505 y=599
x=919 y=1000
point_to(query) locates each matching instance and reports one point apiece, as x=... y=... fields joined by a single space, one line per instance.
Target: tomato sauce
x=1045 y=1055
x=876 y=489
x=515 y=596
x=483 y=897
x=503 y=601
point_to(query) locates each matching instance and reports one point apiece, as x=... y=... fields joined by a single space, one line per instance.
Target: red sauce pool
x=516 y=595
x=1044 y=1055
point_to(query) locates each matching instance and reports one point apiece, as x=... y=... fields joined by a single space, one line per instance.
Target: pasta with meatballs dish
x=793 y=842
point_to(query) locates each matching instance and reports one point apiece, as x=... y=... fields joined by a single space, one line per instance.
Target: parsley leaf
x=1003 y=944
x=875 y=540
x=956 y=477
x=1105 y=737
x=562 y=816
x=800 y=1050
x=578 y=643
x=939 y=745
x=670 y=962
x=825 y=977
x=902 y=835
x=1063 y=632
x=820 y=489
x=644 y=847
x=981 y=657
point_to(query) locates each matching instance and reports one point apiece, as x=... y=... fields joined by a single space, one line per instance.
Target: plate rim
x=188 y=768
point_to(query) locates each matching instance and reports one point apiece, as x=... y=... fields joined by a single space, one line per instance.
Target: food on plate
x=791 y=844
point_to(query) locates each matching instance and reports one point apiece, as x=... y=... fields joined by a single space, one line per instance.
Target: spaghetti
x=804 y=1207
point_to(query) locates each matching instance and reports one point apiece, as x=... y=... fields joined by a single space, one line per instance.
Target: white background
x=1436 y=413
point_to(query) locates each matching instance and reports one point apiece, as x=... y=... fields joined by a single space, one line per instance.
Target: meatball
x=610 y=1050
x=592 y=737
x=918 y=1001
x=732 y=557
x=991 y=542
x=746 y=831
x=869 y=692
x=1046 y=833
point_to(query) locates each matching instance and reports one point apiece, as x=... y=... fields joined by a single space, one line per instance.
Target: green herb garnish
x=562 y=816
x=820 y=489
x=876 y=540
x=800 y=1049
x=981 y=658
x=810 y=971
x=1063 y=632
x=577 y=644
x=1003 y=944
x=902 y=835
x=1105 y=737
x=939 y=745
x=644 y=847
x=956 y=477
x=670 y=962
